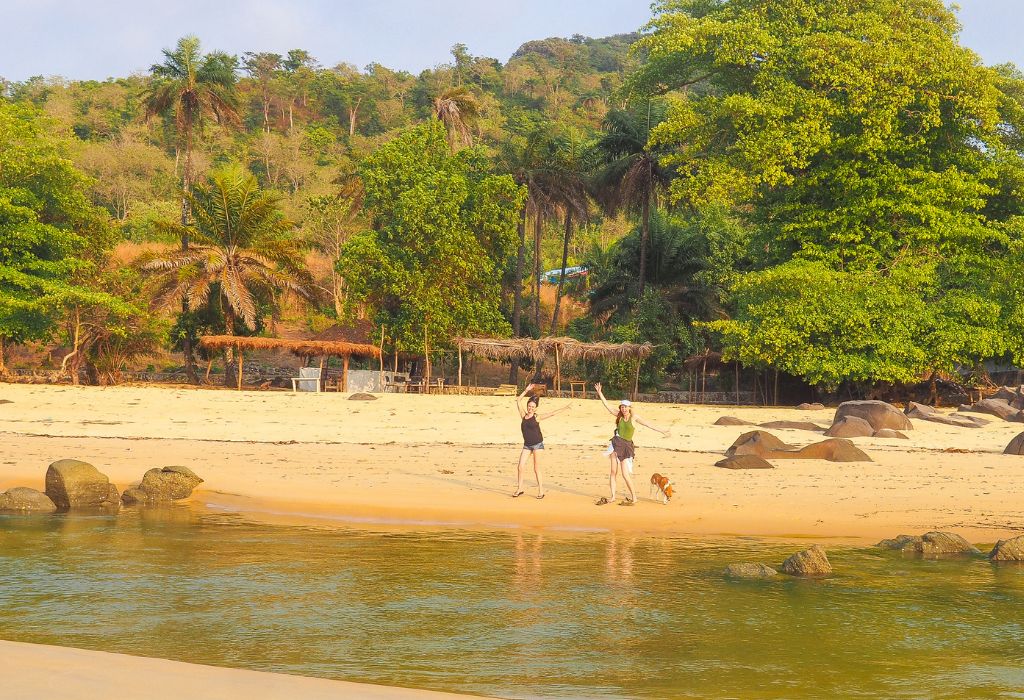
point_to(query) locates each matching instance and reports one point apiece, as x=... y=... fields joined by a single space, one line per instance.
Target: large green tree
x=855 y=134
x=442 y=230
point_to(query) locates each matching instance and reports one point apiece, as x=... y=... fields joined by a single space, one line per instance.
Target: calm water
x=511 y=613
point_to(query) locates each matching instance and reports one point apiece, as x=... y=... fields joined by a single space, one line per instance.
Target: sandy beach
x=449 y=460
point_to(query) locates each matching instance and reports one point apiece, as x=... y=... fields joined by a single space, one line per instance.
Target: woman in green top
x=621 y=450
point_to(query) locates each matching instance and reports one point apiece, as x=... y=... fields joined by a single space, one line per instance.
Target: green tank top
x=625 y=429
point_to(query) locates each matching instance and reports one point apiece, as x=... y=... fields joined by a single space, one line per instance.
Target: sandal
x=602 y=501
x=541 y=496
x=627 y=502
x=517 y=494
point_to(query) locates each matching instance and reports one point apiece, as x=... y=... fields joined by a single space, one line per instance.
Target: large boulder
x=899 y=542
x=833 y=449
x=1016 y=446
x=24 y=500
x=732 y=420
x=850 y=427
x=757 y=442
x=810 y=562
x=940 y=544
x=744 y=462
x=71 y=483
x=162 y=486
x=792 y=425
x=747 y=570
x=1008 y=550
x=996 y=407
x=878 y=413
x=922 y=412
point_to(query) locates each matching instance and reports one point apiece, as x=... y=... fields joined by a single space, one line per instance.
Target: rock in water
x=833 y=449
x=1008 y=550
x=162 y=486
x=849 y=427
x=878 y=413
x=756 y=442
x=940 y=544
x=899 y=542
x=1016 y=446
x=24 y=500
x=362 y=397
x=810 y=562
x=746 y=570
x=732 y=420
x=744 y=462
x=74 y=484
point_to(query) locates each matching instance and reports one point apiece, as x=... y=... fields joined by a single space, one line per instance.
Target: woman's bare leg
x=523 y=456
x=536 y=472
x=612 y=474
x=628 y=478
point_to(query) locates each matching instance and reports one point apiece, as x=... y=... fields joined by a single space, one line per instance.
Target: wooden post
x=380 y=376
x=239 y=351
x=344 y=373
x=558 y=371
x=460 y=369
x=636 y=379
x=209 y=366
x=426 y=360
x=737 y=383
x=395 y=366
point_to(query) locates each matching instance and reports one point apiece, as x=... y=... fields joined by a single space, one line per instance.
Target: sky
x=83 y=39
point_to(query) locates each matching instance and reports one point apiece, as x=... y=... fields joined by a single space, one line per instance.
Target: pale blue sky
x=84 y=39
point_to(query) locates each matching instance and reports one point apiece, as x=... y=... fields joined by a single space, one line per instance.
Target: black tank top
x=531 y=432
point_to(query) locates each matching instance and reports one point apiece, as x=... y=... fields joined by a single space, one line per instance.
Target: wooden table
x=581 y=386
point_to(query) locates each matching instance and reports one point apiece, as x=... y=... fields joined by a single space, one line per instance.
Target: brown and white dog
x=663 y=486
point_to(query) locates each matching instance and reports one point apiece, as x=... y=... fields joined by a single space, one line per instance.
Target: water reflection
x=516 y=613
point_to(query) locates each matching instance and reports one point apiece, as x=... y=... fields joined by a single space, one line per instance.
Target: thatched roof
x=709 y=359
x=307 y=348
x=508 y=349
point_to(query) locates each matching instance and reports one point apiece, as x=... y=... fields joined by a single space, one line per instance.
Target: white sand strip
x=32 y=671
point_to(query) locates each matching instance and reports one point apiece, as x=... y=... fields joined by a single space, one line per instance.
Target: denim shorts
x=534 y=448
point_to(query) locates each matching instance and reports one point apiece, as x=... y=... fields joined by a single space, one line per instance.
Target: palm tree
x=190 y=86
x=571 y=163
x=632 y=175
x=457 y=108
x=241 y=248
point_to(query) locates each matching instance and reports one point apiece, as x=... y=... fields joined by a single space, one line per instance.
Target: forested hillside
x=826 y=190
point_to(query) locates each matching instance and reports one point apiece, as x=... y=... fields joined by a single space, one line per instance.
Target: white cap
x=626 y=402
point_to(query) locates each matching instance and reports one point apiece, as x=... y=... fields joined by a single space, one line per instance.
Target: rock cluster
x=922 y=412
x=1000 y=408
x=933 y=544
x=767 y=446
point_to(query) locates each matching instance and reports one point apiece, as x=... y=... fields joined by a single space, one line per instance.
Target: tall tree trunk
x=3 y=362
x=561 y=278
x=645 y=232
x=517 y=293
x=186 y=344
x=538 y=225
x=230 y=356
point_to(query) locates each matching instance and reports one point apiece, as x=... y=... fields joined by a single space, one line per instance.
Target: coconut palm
x=189 y=86
x=571 y=163
x=457 y=108
x=632 y=174
x=242 y=248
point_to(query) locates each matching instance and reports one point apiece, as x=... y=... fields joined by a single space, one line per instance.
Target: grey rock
x=747 y=570
x=899 y=542
x=850 y=427
x=362 y=397
x=810 y=562
x=922 y=412
x=744 y=462
x=833 y=450
x=811 y=407
x=878 y=413
x=1008 y=550
x=1012 y=395
x=757 y=442
x=162 y=486
x=995 y=407
x=71 y=483
x=793 y=425
x=25 y=500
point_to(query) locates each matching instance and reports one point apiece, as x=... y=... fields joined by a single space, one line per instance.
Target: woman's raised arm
x=597 y=388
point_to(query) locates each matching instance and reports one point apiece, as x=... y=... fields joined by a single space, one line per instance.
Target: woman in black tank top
x=533 y=440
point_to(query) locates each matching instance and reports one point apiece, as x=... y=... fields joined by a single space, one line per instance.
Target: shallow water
x=513 y=613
